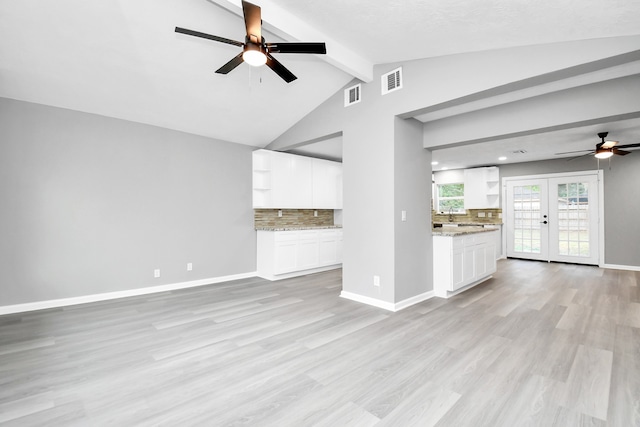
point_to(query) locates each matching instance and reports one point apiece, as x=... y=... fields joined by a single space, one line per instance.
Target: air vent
x=391 y=81
x=518 y=152
x=352 y=95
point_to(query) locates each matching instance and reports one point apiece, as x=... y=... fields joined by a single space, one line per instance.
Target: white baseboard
x=387 y=305
x=274 y=277
x=64 y=302
x=622 y=267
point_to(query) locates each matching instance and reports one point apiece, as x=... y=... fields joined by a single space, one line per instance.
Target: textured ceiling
x=122 y=59
x=399 y=30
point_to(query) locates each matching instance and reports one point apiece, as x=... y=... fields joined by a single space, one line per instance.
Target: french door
x=553 y=218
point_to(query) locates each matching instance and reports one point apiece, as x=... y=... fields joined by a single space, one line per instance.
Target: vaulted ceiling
x=122 y=58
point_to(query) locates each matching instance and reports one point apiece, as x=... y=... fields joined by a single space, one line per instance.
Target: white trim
x=448 y=294
x=274 y=277
x=598 y=173
x=552 y=175
x=367 y=300
x=413 y=300
x=63 y=302
x=621 y=267
x=387 y=305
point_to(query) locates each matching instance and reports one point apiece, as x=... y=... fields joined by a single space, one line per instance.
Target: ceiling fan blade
x=577 y=157
x=208 y=36
x=237 y=60
x=628 y=146
x=280 y=69
x=571 y=152
x=620 y=152
x=252 y=21
x=297 y=47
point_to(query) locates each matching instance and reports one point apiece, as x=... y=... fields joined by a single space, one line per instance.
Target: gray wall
x=413 y=248
x=92 y=204
x=621 y=199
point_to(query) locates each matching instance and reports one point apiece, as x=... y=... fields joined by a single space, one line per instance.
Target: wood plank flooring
x=538 y=345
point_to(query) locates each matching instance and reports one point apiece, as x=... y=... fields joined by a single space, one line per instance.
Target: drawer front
x=286 y=236
x=308 y=235
x=470 y=240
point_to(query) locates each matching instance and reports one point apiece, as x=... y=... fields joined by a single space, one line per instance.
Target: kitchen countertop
x=298 y=227
x=459 y=231
x=459 y=224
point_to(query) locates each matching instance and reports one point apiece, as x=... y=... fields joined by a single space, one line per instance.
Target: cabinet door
x=468 y=265
x=490 y=260
x=457 y=269
x=475 y=194
x=308 y=254
x=281 y=171
x=327 y=184
x=290 y=181
x=480 y=260
x=301 y=183
x=285 y=256
x=328 y=248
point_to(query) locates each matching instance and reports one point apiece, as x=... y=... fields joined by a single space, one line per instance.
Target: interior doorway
x=554 y=217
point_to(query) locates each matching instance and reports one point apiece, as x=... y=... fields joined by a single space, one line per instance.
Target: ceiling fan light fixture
x=604 y=153
x=253 y=55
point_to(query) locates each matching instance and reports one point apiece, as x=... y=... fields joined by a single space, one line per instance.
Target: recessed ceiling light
x=502 y=158
x=434 y=163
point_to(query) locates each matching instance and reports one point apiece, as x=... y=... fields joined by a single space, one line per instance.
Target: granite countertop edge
x=299 y=227
x=462 y=224
x=459 y=231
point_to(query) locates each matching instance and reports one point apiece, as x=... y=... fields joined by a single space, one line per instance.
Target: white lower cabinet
x=461 y=261
x=296 y=252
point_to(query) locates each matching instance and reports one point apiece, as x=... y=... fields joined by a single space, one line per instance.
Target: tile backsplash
x=291 y=217
x=484 y=216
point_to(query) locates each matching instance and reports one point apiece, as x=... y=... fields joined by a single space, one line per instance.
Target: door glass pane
x=526 y=209
x=573 y=219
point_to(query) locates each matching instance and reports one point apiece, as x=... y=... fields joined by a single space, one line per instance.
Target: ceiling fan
x=255 y=51
x=604 y=149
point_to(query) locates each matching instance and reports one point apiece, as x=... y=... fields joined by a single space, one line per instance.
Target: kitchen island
x=463 y=257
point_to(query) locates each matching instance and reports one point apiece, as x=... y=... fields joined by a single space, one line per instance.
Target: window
x=451 y=198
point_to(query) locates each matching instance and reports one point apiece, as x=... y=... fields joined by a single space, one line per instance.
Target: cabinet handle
x=543 y=222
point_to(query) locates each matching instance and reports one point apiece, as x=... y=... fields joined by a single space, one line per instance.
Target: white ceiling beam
x=280 y=22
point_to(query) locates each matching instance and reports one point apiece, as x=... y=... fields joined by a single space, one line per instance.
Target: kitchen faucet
x=450 y=214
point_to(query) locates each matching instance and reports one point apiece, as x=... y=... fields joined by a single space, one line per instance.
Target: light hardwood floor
x=538 y=345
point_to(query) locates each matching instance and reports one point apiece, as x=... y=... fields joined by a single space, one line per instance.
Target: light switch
x=404 y=215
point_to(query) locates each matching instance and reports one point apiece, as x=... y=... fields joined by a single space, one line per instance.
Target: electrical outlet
x=315 y=213
x=404 y=215
x=279 y=213
x=489 y=214
x=189 y=266
x=481 y=214
x=156 y=272
x=376 y=281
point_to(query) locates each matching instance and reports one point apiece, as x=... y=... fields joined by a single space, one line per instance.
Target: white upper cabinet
x=481 y=188
x=291 y=183
x=327 y=184
x=288 y=181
